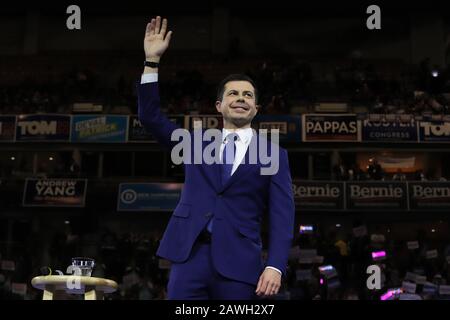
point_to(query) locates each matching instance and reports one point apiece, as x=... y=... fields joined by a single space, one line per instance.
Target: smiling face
x=238 y=106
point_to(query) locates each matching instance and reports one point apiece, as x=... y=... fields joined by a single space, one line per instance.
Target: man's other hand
x=156 y=40
x=269 y=283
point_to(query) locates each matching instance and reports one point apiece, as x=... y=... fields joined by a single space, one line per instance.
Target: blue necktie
x=228 y=155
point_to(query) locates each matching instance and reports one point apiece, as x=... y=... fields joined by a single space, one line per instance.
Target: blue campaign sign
x=434 y=131
x=7 y=128
x=148 y=196
x=389 y=128
x=331 y=127
x=289 y=126
x=99 y=128
x=137 y=133
x=43 y=127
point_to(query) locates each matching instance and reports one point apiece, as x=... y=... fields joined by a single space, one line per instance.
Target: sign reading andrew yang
x=434 y=131
x=43 y=127
x=7 y=128
x=331 y=127
x=389 y=128
x=376 y=195
x=101 y=128
x=429 y=195
x=289 y=126
x=54 y=193
x=318 y=195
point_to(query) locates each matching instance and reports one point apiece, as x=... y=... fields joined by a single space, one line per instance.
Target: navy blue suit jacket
x=238 y=206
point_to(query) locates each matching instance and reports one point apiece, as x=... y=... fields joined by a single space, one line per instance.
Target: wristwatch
x=151 y=64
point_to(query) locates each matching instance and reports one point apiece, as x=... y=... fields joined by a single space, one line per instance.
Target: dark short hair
x=235 y=77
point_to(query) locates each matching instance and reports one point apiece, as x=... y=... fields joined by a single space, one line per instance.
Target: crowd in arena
x=130 y=260
x=283 y=84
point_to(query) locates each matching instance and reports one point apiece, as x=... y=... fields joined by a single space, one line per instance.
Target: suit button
x=209 y=214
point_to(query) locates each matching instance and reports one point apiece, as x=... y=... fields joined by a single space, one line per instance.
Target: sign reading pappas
x=331 y=127
x=101 y=128
x=55 y=192
x=43 y=127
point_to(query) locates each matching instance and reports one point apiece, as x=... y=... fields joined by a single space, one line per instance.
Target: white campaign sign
x=409 y=287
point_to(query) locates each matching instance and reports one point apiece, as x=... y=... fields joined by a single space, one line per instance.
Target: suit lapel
x=245 y=167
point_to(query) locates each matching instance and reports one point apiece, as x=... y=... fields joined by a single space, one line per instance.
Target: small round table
x=93 y=288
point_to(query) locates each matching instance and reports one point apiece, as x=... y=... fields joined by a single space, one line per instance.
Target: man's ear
x=258 y=106
x=218 y=104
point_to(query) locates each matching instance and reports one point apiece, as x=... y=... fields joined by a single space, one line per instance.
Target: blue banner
x=289 y=126
x=203 y=121
x=7 y=128
x=137 y=133
x=148 y=196
x=43 y=127
x=99 y=128
x=331 y=128
x=389 y=128
x=434 y=131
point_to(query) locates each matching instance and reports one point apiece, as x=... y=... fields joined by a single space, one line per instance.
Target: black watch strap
x=151 y=64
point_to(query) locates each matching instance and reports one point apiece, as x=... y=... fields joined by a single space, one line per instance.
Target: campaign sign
x=376 y=195
x=429 y=195
x=289 y=127
x=388 y=128
x=148 y=196
x=43 y=127
x=137 y=132
x=7 y=128
x=434 y=131
x=54 y=193
x=99 y=128
x=203 y=122
x=331 y=127
x=312 y=195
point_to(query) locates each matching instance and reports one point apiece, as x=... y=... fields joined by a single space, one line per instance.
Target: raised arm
x=156 y=42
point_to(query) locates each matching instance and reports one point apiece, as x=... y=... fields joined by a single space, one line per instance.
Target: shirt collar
x=244 y=135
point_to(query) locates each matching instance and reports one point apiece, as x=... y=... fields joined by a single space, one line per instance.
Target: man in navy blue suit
x=213 y=237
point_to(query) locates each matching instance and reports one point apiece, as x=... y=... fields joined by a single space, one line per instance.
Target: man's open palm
x=156 y=40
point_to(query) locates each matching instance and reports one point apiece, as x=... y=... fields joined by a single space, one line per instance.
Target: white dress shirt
x=241 y=144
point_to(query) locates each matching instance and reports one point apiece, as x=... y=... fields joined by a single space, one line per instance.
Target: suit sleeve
x=281 y=215
x=150 y=115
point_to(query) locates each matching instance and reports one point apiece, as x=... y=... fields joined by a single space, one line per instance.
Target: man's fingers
x=168 y=37
x=269 y=289
x=158 y=24
x=152 y=27
x=258 y=287
x=163 y=27
x=264 y=285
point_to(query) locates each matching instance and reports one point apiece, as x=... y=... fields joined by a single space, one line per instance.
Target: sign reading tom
x=434 y=131
x=43 y=127
x=289 y=126
x=7 y=128
x=311 y=195
x=137 y=133
x=148 y=196
x=99 y=128
x=54 y=193
x=331 y=127
x=429 y=195
x=376 y=195
x=389 y=128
